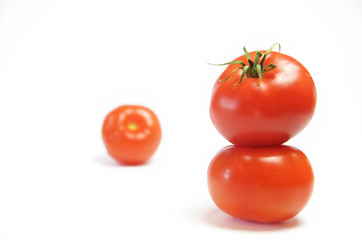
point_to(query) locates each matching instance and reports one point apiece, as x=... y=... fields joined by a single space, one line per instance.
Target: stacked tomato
x=259 y=102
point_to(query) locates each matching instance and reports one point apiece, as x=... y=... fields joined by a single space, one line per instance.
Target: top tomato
x=267 y=112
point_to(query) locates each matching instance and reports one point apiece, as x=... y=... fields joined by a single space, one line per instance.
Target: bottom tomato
x=268 y=184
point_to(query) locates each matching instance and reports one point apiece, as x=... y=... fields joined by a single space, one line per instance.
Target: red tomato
x=131 y=134
x=248 y=114
x=268 y=184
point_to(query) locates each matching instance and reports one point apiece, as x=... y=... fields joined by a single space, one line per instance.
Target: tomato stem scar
x=132 y=126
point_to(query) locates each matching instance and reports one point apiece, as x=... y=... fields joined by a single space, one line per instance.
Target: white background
x=65 y=64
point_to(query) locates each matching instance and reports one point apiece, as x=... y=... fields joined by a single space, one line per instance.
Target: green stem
x=267 y=52
x=228 y=63
x=254 y=69
x=221 y=80
x=268 y=68
x=248 y=57
x=245 y=70
x=256 y=61
x=260 y=73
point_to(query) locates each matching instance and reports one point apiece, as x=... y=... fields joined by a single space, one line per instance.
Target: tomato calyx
x=253 y=69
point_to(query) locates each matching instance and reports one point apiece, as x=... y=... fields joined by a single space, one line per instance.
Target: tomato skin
x=270 y=184
x=131 y=134
x=265 y=115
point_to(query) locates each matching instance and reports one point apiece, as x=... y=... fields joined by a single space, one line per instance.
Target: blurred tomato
x=131 y=134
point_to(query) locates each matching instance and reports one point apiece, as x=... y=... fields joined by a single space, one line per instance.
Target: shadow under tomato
x=217 y=218
x=107 y=160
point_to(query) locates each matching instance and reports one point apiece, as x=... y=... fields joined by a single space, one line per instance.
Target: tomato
x=131 y=134
x=267 y=109
x=269 y=184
